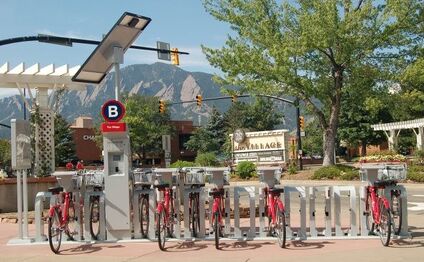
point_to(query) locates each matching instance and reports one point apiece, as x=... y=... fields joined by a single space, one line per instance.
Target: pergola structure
x=42 y=79
x=392 y=131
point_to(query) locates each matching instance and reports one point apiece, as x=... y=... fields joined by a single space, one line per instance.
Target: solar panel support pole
x=117 y=58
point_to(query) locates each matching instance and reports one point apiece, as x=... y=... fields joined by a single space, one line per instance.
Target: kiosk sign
x=113 y=111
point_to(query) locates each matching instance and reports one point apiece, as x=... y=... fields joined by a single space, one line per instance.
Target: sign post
x=21 y=162
x=117 y=163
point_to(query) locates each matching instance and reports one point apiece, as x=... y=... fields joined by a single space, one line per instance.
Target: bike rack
x=227 y=220
x=102 y=222
x=300 y=190
x=251 y=191
x=202 y=200
x=327 y=210
x=404 y=199
x=337 y=193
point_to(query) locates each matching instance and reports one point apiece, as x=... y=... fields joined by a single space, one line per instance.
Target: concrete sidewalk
x=328 y=250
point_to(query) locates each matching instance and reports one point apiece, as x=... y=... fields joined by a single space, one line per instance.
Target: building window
x=183 y=138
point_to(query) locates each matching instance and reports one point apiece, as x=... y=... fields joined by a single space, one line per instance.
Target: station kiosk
x=117 y=166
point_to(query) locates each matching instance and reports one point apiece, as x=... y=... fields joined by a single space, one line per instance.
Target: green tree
x=211 y=137
x=5 y=153
x=313 y=49
x=261 y=115
x=146 y=125
x=63 y=141
x=312 y=142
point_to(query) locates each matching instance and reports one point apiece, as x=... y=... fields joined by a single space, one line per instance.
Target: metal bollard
x=300 y=190
x=39 y=223
x=352 y=210
x=327 y=210
x=251 y=190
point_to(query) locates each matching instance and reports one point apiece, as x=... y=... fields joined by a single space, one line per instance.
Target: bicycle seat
x=98 y=188
x=217 y=193
x=384 y=183
x=161 y=186
x=195 y=185
x=55 y=190
x=276 y=190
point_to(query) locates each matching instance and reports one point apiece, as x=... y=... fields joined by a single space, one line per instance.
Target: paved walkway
x=204 y=251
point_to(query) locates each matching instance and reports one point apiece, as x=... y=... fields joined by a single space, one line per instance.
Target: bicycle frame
x=164 y=204
x=64 y=208
x=375 y=207
x=272 y=199
x=217 y=207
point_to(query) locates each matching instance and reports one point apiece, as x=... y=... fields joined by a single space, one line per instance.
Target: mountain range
x=166 y=81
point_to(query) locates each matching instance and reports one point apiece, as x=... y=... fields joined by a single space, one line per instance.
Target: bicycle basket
x=269 y=176
x=94 y=178
x=193 y=177
x=165 y=176
x=68 y=180
x=371 y=172
x=395 y=172
x=143 y=177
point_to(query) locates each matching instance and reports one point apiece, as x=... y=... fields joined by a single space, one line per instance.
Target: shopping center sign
x=263 y=147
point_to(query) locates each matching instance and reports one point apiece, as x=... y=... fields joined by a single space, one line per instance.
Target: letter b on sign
x=113 y=111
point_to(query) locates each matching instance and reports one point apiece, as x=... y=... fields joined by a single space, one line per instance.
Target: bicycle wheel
x=144 y=216
x=71 y=227
x=195 y=219
x=217 y=229
x=396 y=208
x=54 y=231
x=161 y=229
x=171 y=218
x=385 y=226
x=280 y=227
x=94 y=218
x=368 y=216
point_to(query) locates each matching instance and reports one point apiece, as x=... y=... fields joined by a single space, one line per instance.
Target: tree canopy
x=146 y=124
x=316 y=50
x=63 y=141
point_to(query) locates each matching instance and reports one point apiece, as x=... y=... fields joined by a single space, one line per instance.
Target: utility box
x=117 y=164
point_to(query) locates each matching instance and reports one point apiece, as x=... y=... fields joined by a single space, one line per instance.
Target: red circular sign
x=113 y=111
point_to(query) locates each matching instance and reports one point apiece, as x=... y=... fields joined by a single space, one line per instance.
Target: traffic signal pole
x=298 y=137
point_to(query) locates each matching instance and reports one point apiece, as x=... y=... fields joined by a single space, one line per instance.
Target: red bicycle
x=165 y=214
x=218 y=210
x=62 y=217
x=377 y=211
x=275 y=212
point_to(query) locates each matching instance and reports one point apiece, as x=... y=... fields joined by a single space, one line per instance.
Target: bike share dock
x=312 y=212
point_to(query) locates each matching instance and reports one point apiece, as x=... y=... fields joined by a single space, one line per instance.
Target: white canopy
x=35 y=77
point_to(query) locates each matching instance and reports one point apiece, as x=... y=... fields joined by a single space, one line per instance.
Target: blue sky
x=184 y=23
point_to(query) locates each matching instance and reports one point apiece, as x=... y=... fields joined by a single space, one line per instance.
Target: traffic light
x=302 y=123
x=161 y=106
x=175 y=59
x=233 y=98
x=199 y=100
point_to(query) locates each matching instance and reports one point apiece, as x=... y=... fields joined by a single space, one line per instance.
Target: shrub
x=292 y=168
x=336 y=172
x=180 y=164
x=350 y=175
x=207 y=159
x=327 y=172
x=246 y=169
x=415 y=173
x=419 y=154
